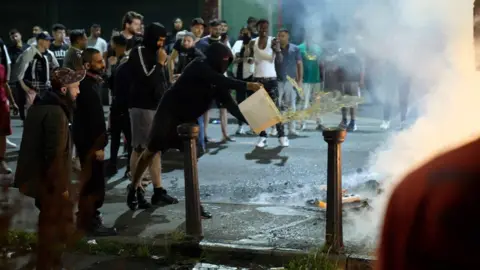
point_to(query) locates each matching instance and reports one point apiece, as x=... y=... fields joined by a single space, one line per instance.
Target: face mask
x=246 y=38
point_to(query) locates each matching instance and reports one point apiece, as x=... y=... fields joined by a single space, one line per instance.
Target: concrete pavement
x=258 y=196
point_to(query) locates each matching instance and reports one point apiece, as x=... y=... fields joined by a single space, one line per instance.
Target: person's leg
x=290 y=100
x=344 y=122
x=206 y=119
x=201 y=134
x=127 y=132
x=307 y=92
x=353 y=90
x=115 y=137
x=404 y=93
x=5 y=130
x=160 y=196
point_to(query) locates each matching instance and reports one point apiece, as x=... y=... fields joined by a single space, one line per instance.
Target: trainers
x=262 y=142
x=160 y=197
x=304 y=127
x=343 y=124
x=204 y=214
x=351 y=126
x=76 y=164
x=385 y=125
x=4 y=169
x=11 y=144
x=240 y=130
x=284 y=142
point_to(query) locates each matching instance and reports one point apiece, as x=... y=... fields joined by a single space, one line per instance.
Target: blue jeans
x=201 y=134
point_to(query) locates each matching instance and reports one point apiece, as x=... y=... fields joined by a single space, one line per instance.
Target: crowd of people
x=157 y=79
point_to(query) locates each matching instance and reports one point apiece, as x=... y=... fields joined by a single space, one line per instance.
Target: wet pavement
x=238 y=172
x=258 y=196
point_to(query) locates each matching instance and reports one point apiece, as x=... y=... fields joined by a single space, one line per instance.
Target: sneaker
x=4 y=169
x=142 y=202
x=11 y=144
x=293 y=133
x=132 y=201
x=284 y=142
x=343 y=124
x=273 y=132
x=303 y=127
x=240 y=130
x=160 y=197
x=76 y=164
x=385 y=125
x=351 y=126
x=204 y=214
x=262 y=142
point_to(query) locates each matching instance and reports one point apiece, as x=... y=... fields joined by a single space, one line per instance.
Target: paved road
x=238 y=172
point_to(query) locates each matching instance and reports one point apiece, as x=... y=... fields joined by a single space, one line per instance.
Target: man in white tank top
x=265 y=49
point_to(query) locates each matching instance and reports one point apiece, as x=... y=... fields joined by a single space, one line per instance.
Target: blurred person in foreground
x=201 y=82
x=44 y=163
x=429 y=222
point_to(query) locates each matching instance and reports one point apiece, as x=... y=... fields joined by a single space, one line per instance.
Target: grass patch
x=20 y=242
x=318 y=259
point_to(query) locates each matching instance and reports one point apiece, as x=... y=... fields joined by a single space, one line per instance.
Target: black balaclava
x=219 y=57
x=152 y=33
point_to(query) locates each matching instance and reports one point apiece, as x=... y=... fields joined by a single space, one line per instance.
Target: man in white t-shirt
x=95 y=41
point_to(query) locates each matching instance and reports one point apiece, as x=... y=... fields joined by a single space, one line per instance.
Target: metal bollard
x=334 y=226
x=189 y=134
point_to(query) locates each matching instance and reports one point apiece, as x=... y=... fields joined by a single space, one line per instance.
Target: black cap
x=214 y=23
x=198 y=21
x=44 y=35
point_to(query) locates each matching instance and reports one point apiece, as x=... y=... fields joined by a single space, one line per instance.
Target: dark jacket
x=121 y=88
x=191 y=96
x=89 y=129
x=149 y=78
x=45 y=157
x=185 y=56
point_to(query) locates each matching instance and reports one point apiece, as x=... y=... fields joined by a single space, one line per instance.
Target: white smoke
x=429 y=41
x=432 y=43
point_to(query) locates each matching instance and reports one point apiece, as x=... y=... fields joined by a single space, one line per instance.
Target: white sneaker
x=76 y=164
x=240 y=131
x=11 y=144
x=385 y=125
x=262 y=142
x=284 y=142
x=304 y=127
x=273 y=132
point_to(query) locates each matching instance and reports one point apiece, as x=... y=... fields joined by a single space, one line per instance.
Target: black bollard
x=334 y=226
x=189 y=134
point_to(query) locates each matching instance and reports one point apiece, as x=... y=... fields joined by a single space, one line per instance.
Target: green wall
x=236 y=13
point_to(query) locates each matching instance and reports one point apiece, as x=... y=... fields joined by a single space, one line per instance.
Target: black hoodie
x=201 y=82
x=149 y=79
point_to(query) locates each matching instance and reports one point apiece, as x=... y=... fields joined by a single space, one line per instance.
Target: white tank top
x=264 y=68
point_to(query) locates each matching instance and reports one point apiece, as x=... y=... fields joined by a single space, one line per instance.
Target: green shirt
x=310 y=57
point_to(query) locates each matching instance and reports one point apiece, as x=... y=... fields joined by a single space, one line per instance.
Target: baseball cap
x=198 y=21
x=66 y=76
x=45 y=36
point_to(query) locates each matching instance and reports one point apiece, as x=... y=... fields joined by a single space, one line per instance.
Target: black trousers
x=271 y=86
x=241 y=95
x=20 y=99
x=92 y=193
x=120 y=123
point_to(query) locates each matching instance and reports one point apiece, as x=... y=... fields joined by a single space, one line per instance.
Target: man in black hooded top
x=148 y=81
x=200 y=83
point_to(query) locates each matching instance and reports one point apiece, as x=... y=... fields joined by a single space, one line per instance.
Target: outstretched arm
x=219 y=80
x=232 y=107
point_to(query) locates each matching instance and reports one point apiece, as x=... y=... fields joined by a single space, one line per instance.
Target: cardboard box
x=260 y=111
